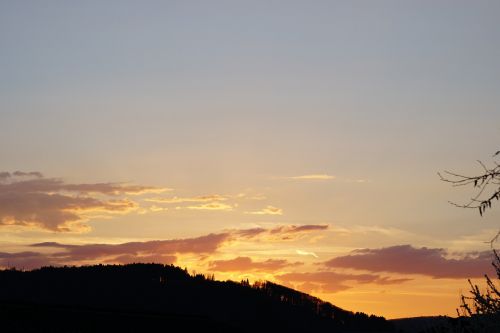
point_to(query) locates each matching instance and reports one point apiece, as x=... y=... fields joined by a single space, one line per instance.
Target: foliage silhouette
x=487 y=184
x=147 y=297
x=479 y=312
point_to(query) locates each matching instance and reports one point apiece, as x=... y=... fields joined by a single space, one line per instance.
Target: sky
x=292 y=141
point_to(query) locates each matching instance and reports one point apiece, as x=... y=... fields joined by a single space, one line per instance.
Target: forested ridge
x=147 y=297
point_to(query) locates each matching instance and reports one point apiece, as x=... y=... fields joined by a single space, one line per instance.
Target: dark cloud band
x=406 y=259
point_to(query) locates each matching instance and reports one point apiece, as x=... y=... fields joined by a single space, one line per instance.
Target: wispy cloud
x=177 y=200
x=359 y=180
x=406 y=259
x=306 y=253
x=368 y=230
x=243 y=264
x=17 y=182
x=257 y=197
x=300 y=228
x=316 y=176
x=26 y=260
x=331 y=282
x=5 y=175
x=164 y=251
x=155 y=208
x=280 y=233
x=212 y=206
x=29 y=199
x=131 y=259
x=269 y=210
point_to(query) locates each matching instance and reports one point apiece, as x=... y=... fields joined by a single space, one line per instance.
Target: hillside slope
x=147 y=297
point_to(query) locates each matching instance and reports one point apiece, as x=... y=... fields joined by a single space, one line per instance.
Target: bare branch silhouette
x=487 y=185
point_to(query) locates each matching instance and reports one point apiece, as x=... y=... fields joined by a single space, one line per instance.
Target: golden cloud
x=269 y=210
x=29 y=199
x=280 y=233
x=306 y=253
x=244 y=264
x=331 y=282
x=212 y=206
x=174 y=200
x=164 y=251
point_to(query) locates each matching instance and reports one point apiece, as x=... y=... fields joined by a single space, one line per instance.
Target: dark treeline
x=147 y=297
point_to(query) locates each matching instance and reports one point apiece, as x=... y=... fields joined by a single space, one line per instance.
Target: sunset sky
x=292 y=141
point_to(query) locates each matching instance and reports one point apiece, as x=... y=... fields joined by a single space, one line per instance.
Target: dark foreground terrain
x=153 y=297
x=442 y=324
x=421 y=324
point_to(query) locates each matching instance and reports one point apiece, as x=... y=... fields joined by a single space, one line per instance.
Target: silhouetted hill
x=485 y=323
x=420 y=324
x=154 y=297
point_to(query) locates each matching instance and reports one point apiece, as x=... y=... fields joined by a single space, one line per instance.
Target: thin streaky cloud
x=306 y=253
x=280 y=233
x=203 y=198
x=214 y=206
x=243 y=264
x=313 y=177
x=35 y=174
x=269 y=210
x=332 y=282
